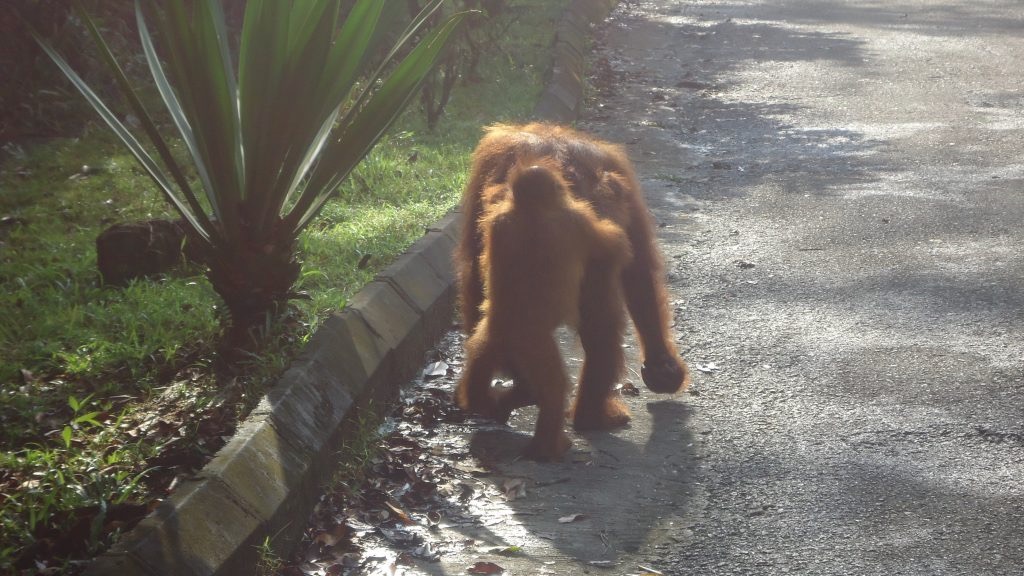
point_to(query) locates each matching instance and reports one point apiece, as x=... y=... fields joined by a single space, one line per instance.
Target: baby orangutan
x=557 y=232
x=543 y=253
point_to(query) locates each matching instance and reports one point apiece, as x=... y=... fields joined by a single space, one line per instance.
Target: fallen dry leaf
x=472 y=469
x=333 y=536
x=707 y=368
x=515 y=488
x=427 y=552
x=401 y=514
x=400 y=536
x=485 y=568
x=629 y=389
x=436 y=369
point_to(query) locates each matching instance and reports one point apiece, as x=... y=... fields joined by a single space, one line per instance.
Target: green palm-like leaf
x=371 y=115
x=180 y=121
x=270 y=138
x=148 y=163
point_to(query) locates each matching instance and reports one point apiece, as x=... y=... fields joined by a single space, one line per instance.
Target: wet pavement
x=839 y=189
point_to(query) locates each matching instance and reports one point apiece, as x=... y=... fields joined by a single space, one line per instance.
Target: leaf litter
x=423 y=495
x=418 y=483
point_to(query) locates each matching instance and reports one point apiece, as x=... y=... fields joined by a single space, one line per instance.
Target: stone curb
x=264 y=483
x=563 y=95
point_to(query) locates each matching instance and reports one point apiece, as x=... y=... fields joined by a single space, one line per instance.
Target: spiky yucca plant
x=270 y=137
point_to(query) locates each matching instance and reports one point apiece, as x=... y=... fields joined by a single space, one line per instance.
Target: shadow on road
x=620 y=486
x=694 y=137
x=838 y=185
x=939 y=19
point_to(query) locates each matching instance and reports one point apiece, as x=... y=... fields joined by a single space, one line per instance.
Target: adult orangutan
x=546 y=210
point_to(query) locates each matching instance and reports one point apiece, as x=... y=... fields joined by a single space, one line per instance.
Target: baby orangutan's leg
x=519 y=395
x=473 y=391
x=540 y=366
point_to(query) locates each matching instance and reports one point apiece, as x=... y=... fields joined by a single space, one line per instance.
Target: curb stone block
x=577 y=72
x=572 y=37
x=270 y=476
x=567 y=94
x=201 y=530
x=395 y=322
x=551 y=109
x=386 y=312
x=437 y=248
x=261 y=469
x=413 y=277
x=429 y=294
x=117 y=563
x=563 y=95
x=576 y=18
x=345 y=346
x=309 y=404
x=449 y=225
x=593 y=10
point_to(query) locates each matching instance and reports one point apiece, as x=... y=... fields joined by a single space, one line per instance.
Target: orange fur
x=557 y=233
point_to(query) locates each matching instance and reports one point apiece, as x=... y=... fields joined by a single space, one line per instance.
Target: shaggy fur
x=557 y=233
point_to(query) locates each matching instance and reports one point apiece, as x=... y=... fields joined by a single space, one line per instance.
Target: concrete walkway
x=842 y=189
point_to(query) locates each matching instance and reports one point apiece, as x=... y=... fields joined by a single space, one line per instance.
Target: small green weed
x=269 y=562
x=360 y=446
x=79 y=418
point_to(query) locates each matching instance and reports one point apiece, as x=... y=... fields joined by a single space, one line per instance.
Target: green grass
x=135 y=359
x=360 y=447
x=269 y=563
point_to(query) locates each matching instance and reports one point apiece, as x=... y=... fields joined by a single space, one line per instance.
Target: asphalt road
x=841 y=189
x=840 y=192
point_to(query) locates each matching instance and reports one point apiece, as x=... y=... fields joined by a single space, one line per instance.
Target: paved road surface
x=841 y=192
x=842 y=189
